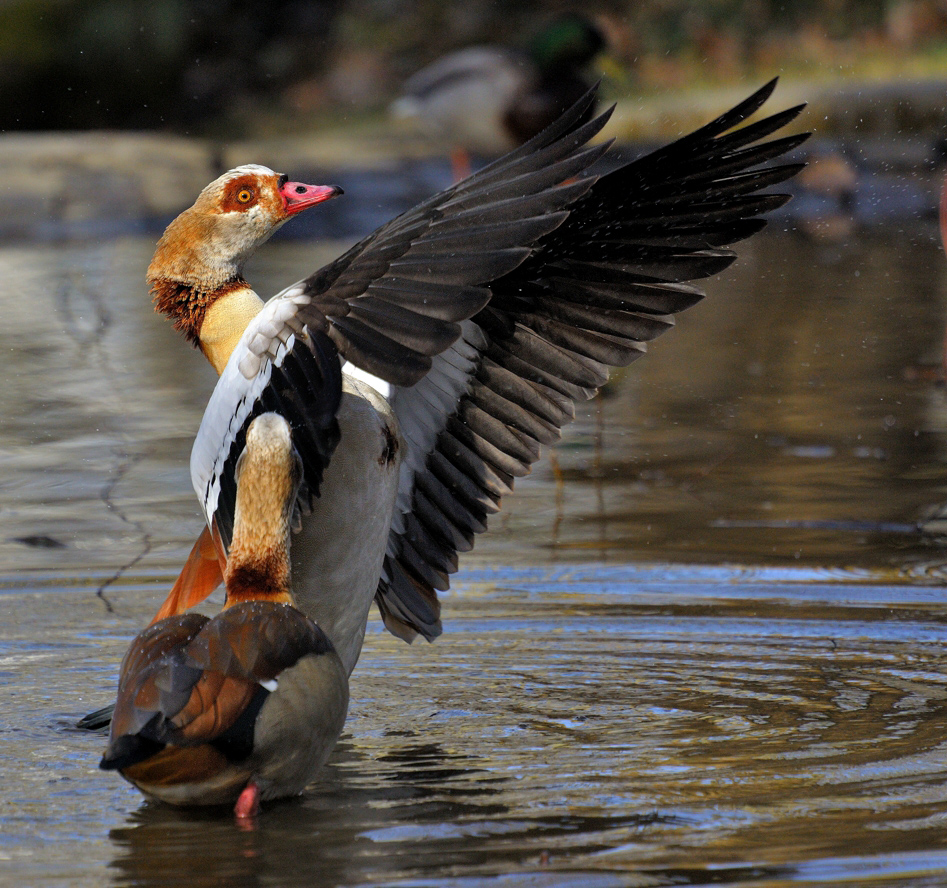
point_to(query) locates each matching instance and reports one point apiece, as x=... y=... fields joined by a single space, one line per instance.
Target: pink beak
x=297 y=196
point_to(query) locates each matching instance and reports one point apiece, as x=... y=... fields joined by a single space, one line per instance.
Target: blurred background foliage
x=239 y=65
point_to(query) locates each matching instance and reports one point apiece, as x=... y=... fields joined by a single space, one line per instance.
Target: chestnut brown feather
x=184 y=688
x=175 y=765
x=230 y=201
x=186 y=304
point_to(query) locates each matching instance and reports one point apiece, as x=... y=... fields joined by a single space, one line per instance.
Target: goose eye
x=244 y=195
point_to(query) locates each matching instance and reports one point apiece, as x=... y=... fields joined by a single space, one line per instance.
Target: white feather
x=383 y=388
x=243 y=380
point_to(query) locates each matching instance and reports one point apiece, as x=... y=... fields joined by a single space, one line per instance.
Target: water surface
x=704 y=646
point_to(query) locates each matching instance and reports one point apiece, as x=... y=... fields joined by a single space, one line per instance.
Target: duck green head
x=571 y=41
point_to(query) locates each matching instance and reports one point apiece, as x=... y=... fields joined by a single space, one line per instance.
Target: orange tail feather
x=201 y=574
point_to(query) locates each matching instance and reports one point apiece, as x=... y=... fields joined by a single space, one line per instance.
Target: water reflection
x=631 y=725
x=329 y=838
x=713 y=652
x=797 y=430
x=659 y=732
x=348 y=833
x=787 y=420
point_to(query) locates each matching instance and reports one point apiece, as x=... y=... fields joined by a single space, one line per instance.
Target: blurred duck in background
x=491 y=99
x=247 y=705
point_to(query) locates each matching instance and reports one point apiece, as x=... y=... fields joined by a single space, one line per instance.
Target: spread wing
x=188 y=681
x=589 y=296
x=390 y=305
x=492 y=307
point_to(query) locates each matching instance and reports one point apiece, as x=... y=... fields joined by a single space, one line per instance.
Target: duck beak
x=297 y=196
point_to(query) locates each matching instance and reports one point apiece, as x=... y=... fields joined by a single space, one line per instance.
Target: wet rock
x=55 y=185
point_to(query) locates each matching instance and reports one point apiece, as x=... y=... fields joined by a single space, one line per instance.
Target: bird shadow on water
x=324 y=835
x=414 y=813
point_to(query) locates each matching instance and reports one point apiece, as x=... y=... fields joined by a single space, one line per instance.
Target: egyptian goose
x=247 y=705
x=493 y=98
x=484 y=313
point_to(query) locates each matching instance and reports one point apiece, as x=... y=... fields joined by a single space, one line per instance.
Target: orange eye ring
x=245 y=195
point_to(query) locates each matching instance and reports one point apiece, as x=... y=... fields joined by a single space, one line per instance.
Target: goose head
x=207 y=245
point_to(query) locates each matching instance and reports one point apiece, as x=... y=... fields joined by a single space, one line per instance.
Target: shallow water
x=712 y=654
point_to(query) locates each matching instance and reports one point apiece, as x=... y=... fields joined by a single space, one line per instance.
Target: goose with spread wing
x=483 y=315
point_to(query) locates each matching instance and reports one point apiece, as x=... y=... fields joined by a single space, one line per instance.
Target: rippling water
x=706 y=647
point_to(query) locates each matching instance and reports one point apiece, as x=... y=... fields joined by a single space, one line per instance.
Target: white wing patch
x=383 y=388
x=273 y=326
x=264 y=344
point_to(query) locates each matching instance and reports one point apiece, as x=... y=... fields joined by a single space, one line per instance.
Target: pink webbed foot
x=248 y=805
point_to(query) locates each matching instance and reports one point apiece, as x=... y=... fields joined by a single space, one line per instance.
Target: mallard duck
x=490 y=99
